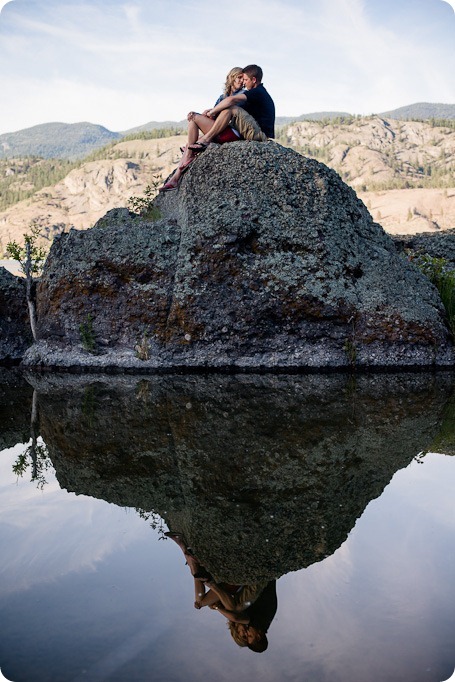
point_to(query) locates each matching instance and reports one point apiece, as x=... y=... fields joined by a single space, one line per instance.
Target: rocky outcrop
x=435 y=244
x=263 y=474
x=15 y=333
x=368 y=153
x=261 y=259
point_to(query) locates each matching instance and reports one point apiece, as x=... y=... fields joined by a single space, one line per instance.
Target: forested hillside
x=55 y=140
x=90 y=189
x=20 y=178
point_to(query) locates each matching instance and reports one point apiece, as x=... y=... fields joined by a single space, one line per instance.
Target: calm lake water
x=338 y=490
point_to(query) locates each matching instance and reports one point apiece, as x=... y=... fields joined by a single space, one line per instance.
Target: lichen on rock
x=262 y=259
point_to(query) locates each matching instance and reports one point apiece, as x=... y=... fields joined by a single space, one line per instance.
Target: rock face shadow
x=15 y=333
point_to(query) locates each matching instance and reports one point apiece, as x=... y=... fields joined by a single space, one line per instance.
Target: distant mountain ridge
x=155 y=125
x=422 y=111
x=279 y=121
x=56 y=140
x=77 y=140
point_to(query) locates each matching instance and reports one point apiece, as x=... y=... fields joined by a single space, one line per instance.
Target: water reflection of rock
x=263 y=474
x=15 y=408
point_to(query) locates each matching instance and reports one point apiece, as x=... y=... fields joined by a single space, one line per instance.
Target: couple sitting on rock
x=245 y=111
x=249 y=609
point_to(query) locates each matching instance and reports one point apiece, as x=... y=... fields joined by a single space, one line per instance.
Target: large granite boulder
x=15 y=333
x=262 y=259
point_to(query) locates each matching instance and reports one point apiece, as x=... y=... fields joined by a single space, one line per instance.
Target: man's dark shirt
x=262 y=611
x=261 y=107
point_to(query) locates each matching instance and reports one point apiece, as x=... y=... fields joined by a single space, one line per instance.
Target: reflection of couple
x=249 y=609
x=245 y=111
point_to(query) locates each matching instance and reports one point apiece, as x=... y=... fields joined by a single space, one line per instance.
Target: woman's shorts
x=227 y=135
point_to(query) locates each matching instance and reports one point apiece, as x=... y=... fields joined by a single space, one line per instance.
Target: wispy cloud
x=31 y=516
x=353 y=55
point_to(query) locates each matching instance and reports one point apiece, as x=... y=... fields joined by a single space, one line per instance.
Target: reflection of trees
x=36 y=455
x=154 y=520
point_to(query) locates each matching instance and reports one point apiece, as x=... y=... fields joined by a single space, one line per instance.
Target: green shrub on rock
x=442 y=276
x=143 y=206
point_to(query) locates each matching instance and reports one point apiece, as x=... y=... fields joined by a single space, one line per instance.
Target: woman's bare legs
x=192 y=561
x=201 y=597
x=199 y=593
x=209 y=127
x=196 y=123
x=220 y=123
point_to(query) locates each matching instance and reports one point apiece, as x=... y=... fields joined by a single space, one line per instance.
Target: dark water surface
x=338 y=490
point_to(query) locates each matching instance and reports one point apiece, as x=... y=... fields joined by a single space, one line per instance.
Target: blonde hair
x=235 y=634
x=229 y=84
x=259 y=644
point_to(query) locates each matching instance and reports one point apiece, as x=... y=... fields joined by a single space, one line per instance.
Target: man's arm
x=225 y=103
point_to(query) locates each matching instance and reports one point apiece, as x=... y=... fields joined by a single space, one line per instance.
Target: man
x=256 y=101
x=254 y=120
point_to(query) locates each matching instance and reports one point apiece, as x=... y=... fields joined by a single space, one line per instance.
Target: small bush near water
x=442 y=276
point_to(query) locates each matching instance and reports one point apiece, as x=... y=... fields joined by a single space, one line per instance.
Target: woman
x=202 y=122
x=233 y=84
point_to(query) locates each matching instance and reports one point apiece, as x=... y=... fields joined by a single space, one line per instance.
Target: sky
x=123 y=63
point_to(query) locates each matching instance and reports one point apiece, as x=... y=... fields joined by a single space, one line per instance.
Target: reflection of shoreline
x=15 y=408
x=263 y=474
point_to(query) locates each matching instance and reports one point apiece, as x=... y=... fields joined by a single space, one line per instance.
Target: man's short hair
x=253 y=71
